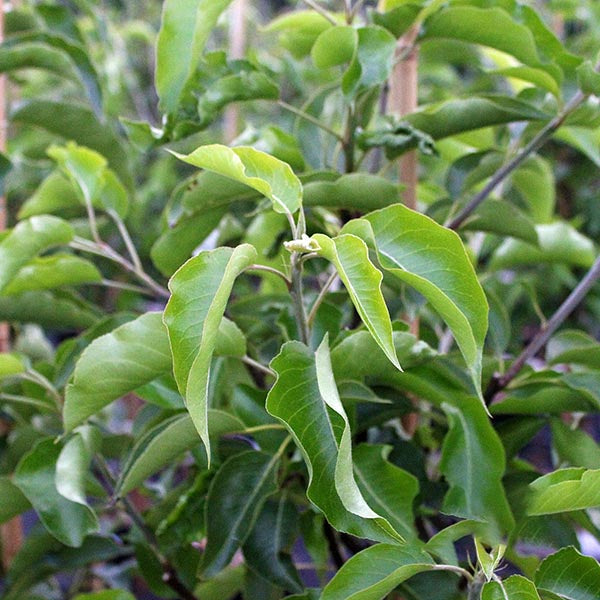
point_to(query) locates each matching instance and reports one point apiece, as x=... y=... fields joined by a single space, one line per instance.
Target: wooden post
x=237 y=50
x=11 y=533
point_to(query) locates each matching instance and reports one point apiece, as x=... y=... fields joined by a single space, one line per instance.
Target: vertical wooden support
x=11 y=533
x=237 y=50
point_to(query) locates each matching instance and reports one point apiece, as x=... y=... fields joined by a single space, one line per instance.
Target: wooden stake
x=237 y=50
x=11 y=533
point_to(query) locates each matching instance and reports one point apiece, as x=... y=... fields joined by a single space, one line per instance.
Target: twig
x=258 y=366
x=315 y=307
x=322 y=11
x=135 y=258
x=119 y=285
x=557 y=319
x=272 y=270
x=308 y=117
x=298 y=298
x=170 y=576
x=535 y=144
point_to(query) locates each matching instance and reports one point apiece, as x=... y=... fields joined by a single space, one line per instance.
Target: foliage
x=242 y=368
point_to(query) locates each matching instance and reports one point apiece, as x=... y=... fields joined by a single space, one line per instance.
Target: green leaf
x=473 y=463
x=73 y=464
x=353 y=191
x=334 y=46
x=12 y=500
x=26 y=240
x=565 y=490
x=52 y=272
x=388 y=489
x=558 y=243
x=570 y=575
x=267 y=549
x=455 y=116
x=573 y=347
x=513 y=588
x=372 y=62
x=535 y=182
x=408 y=246
x=88 y=172
x=492 y=27
x=11 y=364
x=262 y=172
x=200 y=291
x=362 y=279
x=537 y=77
x=165 y=442
x=236 y=496
x=54 y=194
x=305 y=400
x=78 y=123
x=397 y=19
x=69 y=522
x=588 y=78
x=574 y=446
x=184 y=31
x=375 y=572
x=56 y=310
x=584 y=139
x=441 y=544
x=298 y=30
x=106 y=595
x=115 y=364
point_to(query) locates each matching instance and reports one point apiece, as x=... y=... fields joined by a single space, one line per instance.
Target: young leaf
x=565 y=490
x=115 y=364
x=267 y=548
x=388 y=489
x=334 y=46
x=26 y=240
x=54 y=194
x=513 y=588
x=304 y=398
x=258 y=170
x=375 y=572
x=69 y=522
x=235 y=499
x=433 y=260
x=473 y=462
x=12 y=500
x=162 y=444
x=51 y=272
x=11 y=364
x=200 y=292
x=184 y=31
x=569 y=575
x=350 y=256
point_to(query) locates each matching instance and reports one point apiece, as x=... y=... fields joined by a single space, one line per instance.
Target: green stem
x=322 y=11
x=298 y=298
x=135 y=258
x=315 y=307
x=258 y=366
x=307 y=117
x=272 y=270
x=348 y=141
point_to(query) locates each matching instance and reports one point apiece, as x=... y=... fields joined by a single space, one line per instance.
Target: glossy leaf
x=268 y=546
x=334 y=46
x=362 y=279
x=200 y=292
x=167 y=441
x=52 y=272
x=262 y=172
x=406 y=243
x=459 y=115
x=69 y=522
x=305 y=400
x=565 y=490
x=26 y=240
x=558 y=243
x=185 y=28
x=569 y=575
x=513 y=588
x=115 y=364
x=535 y=182
x=235 y=499
x=573 y=347
x=574 y=447
x=389 y=490
x=473 y=463
x=375 y=572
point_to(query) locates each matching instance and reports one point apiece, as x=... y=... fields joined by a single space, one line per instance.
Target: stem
x=169 y=576
x=258 y=366
x=119 y=285
x=557 y=319
x=315 y=307
x=40 y=380
x=268 y=427
x=348 y=141
x=307 y=117
x=458 y=570
x=91 y=213
x=475 y=587
x=272 y=270
x=356 y=8
x=298 y=298
x=135 y=258
x=535 y=144
x=322 y=11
